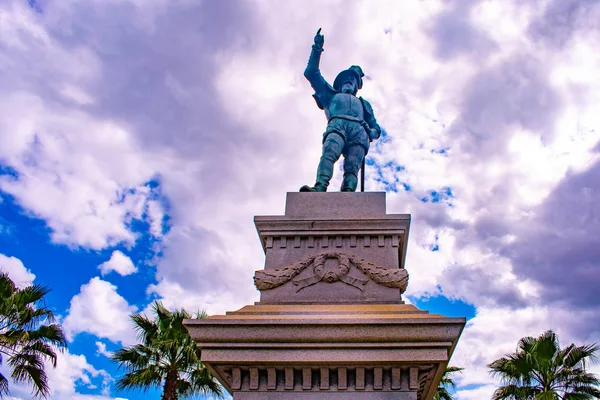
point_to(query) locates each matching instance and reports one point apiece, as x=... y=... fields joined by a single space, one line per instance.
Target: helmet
x=355 y=71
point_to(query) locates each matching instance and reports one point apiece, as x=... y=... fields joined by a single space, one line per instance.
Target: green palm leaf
x=541 y=370
x=3 y=385
x=166 y=357
x=446 y=382
x=28 y=335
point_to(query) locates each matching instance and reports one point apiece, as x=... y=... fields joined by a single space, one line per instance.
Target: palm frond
x=514 y=392
x=3 y=386
x=166 y=351
x=28 y=335
x=135 y=357
x=549 y=395
x=49 y=334
x=202 y=381
x=145 y=328
x=581 y=354
x=446 y=382
x=442 y=394
x=579 y=396
x=141 y=379
x=540 y=369
x=41 y=349
x=29 y=368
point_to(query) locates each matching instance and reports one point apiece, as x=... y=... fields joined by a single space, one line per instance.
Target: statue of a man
x=351 y=122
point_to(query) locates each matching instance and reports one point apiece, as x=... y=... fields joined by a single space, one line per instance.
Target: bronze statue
x=351 y=123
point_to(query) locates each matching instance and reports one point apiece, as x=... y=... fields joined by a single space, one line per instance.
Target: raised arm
x=312 y=72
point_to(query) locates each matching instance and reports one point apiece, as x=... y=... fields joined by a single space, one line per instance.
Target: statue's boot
x=349 y=183
x=319 y=187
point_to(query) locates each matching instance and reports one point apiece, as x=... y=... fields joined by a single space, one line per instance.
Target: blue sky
x=139 y=139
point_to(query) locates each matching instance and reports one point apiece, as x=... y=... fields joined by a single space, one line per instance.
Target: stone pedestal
x=338 y=227
x=331 y=323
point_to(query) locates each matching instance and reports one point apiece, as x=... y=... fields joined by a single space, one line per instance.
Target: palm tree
x=541 y=370
x=447 y=381
x=28 y=335
x=167 y=357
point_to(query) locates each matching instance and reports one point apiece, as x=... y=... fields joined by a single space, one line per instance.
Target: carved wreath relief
x=389 y=277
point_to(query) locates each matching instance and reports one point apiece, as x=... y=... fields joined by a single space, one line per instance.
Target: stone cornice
x=244 y=347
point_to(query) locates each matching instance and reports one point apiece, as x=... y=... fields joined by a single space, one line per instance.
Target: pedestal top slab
x=335 y=205
x=327 y=323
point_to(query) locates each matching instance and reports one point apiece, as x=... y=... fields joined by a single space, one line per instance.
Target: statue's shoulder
x=323 y=97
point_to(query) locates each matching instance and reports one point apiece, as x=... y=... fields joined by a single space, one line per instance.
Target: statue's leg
x=332 y=150
x=352 y=162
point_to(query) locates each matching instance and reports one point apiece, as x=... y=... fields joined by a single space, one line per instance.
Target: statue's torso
x=345 y=105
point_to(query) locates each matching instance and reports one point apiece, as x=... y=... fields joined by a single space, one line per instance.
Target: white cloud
x=20 y=275
x=496 y=331
x=98 y=309
x=101 y=350
x=482 y=392
x=72 y=370
x=89 y=397
x=85 y=196
x=119 y=263
x=173 y=296
x=82 y=173
x=156 y=214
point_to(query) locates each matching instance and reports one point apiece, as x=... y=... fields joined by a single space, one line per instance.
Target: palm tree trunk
x=170 y=389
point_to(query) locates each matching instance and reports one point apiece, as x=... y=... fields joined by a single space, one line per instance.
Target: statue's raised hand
x=319 y=40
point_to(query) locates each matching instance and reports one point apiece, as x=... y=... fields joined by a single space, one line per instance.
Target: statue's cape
x=369 y=114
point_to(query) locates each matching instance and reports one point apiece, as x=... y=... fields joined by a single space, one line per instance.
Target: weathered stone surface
x=326 y=396
x=351 y=224
x=333 y=267
x=381 y=348
x=343 y=205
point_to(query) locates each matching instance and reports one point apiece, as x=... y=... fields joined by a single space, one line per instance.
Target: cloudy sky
x=139 y=138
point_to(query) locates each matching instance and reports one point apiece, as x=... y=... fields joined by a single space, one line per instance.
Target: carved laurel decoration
x=264 y=280
x=389 y=277
x=338 y=274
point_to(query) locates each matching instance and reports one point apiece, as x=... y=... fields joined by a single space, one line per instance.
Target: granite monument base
x=373 y=351
x=331 y=323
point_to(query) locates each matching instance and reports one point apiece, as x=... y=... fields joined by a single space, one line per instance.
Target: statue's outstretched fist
x=319 y=39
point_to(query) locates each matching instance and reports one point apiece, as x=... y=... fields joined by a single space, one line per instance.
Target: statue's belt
x=354 y=119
